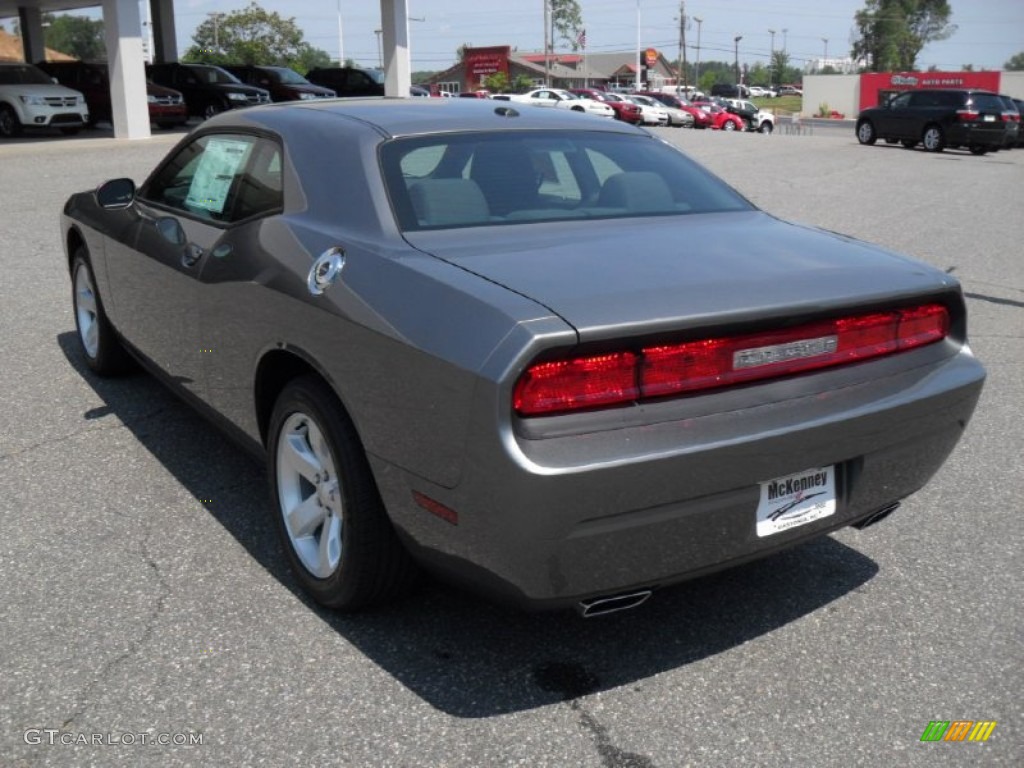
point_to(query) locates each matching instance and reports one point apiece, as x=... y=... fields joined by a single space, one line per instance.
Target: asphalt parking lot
x=141 y=589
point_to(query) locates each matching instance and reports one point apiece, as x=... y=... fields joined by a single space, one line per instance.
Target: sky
x=989 y=31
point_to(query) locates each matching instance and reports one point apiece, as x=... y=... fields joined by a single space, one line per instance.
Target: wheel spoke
x=321 y=451
x=329 y=551
x=304 y=518
x=92 y=336
x=87 y=300
x=300 y=456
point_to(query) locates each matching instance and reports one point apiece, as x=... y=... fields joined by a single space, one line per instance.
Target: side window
x=220 y=177
x=901 y=101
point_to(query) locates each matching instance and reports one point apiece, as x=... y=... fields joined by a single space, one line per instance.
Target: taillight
x=675 y=369
x=967 y=115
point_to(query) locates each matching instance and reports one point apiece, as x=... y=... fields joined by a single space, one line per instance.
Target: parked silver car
x=477 y=337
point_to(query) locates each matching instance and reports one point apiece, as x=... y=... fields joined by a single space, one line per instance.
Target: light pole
x=380 y=52
x=341 y=39
x=771 y=60
x=696 y=69
x=784 y=48
x=736 y=43
x=825 y=59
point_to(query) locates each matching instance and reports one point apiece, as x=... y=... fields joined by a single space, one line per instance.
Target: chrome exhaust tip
x=877 y=516
x=602 y=606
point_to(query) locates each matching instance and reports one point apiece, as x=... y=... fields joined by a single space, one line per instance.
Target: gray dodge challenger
x=508 y=345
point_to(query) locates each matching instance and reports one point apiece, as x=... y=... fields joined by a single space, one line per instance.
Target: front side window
x=901 y=101
x=221 y=178
x=505 y=178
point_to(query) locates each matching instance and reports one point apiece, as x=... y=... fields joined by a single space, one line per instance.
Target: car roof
x=409 y=117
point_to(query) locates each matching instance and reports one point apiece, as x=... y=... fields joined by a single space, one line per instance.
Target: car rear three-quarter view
x=477 y=339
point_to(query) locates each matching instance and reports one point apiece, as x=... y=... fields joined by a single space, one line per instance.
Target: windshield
x=23 y=74
x=208 y=74
x=285 y=76
x=518 y=177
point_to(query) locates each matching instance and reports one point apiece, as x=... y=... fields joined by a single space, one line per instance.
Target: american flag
x=581 y=38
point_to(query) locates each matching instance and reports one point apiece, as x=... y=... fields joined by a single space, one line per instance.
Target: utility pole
x=341 y=40
x=784 y=47
x=636 y=84
x=682 y=45
x=216 y=30
x=736 y=42
x=771 y=60
x=825 y=59
x=696 y=71
x=547 y=43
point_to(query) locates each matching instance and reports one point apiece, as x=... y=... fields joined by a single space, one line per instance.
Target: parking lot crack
x=159 y=602
x=612 y=756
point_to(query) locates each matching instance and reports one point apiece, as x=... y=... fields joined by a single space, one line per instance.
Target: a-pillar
x=395 y=24
x=123 y=29
x=30 y=22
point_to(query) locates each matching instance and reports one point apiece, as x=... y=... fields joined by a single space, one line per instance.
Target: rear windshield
x=483 y=179
x=986 y=102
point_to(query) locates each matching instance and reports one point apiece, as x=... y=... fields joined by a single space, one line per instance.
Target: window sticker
x=221 y=161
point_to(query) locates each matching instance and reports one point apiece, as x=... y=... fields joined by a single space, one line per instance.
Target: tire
x=168 y=126
x=578 y=109
x=976 y=150
x=729 y=125
x=908 y=143
x=101 y=347
x=333 y=526
x=866 y=132
x=766 y=127
x=10 y=125
x=933 y=138
x=212 y=109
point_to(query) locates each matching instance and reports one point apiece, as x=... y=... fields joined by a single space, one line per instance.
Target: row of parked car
x=653 y=108
x=979 y=121
x=70 y=95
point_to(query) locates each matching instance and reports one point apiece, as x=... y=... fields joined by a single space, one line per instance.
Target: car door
x=892 y=121
x=183 y=215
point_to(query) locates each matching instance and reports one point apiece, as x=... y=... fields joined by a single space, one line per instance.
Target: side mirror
x=116 y=194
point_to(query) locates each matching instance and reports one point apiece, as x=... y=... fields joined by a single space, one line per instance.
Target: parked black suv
x=730 y=91
x=284 y=84
x=937 y=118
x=208 y=90
x=348 y=81
x=166 y=106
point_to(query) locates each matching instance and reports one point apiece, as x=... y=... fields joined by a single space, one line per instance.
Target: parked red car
x=722 y=120
x=625 y=110
x=701 y=119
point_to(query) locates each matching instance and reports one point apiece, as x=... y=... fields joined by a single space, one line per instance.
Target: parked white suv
x=30 y=99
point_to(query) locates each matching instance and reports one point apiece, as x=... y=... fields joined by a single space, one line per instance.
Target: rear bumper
x=978 y=135
x=548 y=522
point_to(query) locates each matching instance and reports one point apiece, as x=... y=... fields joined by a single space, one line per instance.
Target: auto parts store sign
x=484 y=62
x=878 y=87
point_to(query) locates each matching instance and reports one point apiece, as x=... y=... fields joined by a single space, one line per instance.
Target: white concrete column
x=165 y=40
x=123 y=28
x=30 y=23
x=394 y=17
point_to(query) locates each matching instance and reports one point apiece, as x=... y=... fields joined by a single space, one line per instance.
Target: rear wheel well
x=275 y=370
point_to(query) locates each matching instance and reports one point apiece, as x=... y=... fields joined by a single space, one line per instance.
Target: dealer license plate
x=794 y=500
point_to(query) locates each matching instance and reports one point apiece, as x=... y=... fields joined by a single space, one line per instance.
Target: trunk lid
x=628 y=277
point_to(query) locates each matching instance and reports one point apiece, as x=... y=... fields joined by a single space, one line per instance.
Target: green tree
x=77 y=36
x=779 y=67
x=1015 y=63
x=497 y=83
x=891 y=33
x=521 y=83
x=566 y=22
x=253 y=36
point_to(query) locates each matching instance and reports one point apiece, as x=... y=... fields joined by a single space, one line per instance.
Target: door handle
x=191 y=255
